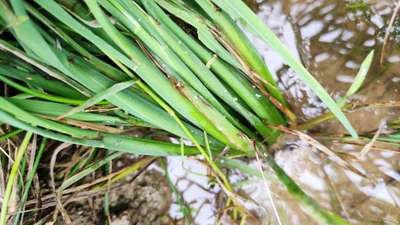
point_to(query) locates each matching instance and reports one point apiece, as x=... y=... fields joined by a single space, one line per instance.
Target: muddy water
x=331 y=38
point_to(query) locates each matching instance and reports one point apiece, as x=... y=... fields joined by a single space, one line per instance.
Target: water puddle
x=331 y=38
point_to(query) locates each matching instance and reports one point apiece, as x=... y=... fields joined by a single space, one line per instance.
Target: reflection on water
x=190 y=178
x=331 y=38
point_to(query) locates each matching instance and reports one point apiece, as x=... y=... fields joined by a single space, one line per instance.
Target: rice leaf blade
x=99 y=97
x=11 y=179
x=359 y=79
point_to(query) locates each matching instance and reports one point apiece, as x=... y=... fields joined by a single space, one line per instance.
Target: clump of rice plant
x=185 y=69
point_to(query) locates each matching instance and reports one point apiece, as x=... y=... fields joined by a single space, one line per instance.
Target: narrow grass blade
x=57 y=109
x=81 y=164
x=147 y=71
x=37 y=80
x=120 y=143
x=242 y=45
x=37 y=121
x=171 y=93
x=25 y=28
x=204 y=30
x=39 y=94
x=90 y=169
x=250 y=95
x=12 y=121
x=237 y=9
x=241 y=166
x=310 y=206
x=132 y=16
x=99 y=97
x=11 y=179
x=106 y=68
x=29 y=180
x=10 y=135
x=135 y=167
x=130 y=102
x=205 y=74
x=5 y=46
x=359 y=79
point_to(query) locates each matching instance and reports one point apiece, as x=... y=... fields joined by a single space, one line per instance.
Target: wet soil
x=141 y=200
x=332 y=38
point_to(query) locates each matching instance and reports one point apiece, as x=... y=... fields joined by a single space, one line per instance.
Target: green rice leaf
x=39 y=94
x=203 y=27
x=120 y=143
x=92 y=168
x=37 y=80
x=21 y=114
x=12 y=176
x=58 y=109
x=225 y=72
x=99 y=97
x=29 y=180
x=359 y=79
x=236 y=39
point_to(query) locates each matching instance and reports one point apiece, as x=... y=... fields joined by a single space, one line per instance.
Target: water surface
x=331 y=38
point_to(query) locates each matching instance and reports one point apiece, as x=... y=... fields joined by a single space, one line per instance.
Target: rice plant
x=84 y=75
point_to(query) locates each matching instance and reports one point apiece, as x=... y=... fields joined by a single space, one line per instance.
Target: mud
x=332 y=38
x=142 y=200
